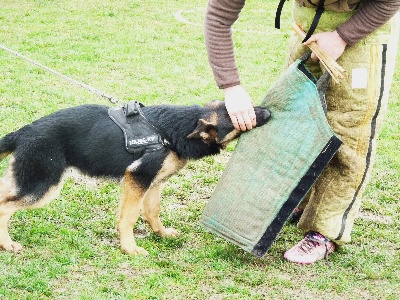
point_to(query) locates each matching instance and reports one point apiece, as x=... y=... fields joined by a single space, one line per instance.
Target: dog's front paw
x=169 y=232
x=11 y=247
x=135 y=251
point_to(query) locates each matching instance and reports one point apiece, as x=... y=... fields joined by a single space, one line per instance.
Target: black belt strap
x=278 y=14
x=314 y=24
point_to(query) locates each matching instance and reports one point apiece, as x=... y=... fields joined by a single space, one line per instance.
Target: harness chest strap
x=140 y=136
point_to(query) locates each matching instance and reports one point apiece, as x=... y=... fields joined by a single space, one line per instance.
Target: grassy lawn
x=142 y=51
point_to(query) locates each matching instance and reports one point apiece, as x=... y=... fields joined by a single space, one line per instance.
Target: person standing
x=362 y=35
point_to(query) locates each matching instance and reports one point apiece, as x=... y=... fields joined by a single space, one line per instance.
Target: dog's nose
x=266 y=114
x=263 y=115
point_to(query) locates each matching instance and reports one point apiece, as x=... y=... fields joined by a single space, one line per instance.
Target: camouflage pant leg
x=356 y=109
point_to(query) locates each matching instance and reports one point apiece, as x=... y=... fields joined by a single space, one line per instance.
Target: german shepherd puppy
x=85 y=138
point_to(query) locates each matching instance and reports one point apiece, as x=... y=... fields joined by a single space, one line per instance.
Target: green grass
x=139 y=51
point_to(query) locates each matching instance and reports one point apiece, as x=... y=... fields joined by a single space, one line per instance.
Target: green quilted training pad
x=273 y=166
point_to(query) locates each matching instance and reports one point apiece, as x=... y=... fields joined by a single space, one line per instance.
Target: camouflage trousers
x=356 y=109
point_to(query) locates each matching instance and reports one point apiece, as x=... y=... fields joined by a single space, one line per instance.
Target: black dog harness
x=140 y=136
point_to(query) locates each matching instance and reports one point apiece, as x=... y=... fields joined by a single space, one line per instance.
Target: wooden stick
x=336 y=71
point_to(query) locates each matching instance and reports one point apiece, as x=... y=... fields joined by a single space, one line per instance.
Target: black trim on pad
x=296 y=196
x=372 y=136
x=301 y=66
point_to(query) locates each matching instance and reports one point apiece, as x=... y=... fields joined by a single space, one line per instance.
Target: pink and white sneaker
x=313 y=247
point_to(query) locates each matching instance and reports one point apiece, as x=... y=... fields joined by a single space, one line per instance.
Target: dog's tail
x=7 y=145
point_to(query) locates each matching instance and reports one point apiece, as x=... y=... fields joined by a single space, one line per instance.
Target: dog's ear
x=205 y=131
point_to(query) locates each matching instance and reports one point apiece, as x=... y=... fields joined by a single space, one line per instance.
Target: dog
x=86 y=138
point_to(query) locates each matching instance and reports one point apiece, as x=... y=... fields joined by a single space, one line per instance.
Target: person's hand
x=331 y=42
x=240 y=108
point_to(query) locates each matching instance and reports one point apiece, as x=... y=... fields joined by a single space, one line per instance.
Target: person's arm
x=372 y=15
x=220 y=16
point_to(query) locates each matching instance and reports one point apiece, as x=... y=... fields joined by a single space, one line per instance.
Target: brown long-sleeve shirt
x=221 y=14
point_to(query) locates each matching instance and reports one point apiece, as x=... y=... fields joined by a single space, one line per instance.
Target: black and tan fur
x=85 y=138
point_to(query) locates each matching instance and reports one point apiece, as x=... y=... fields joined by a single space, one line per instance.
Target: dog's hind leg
x=129 y=210
x=7 y=208
x=151 y=210
x=11 y=201
x=9 y=204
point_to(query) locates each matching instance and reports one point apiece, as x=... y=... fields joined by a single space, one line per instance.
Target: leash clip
x=132 y=108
